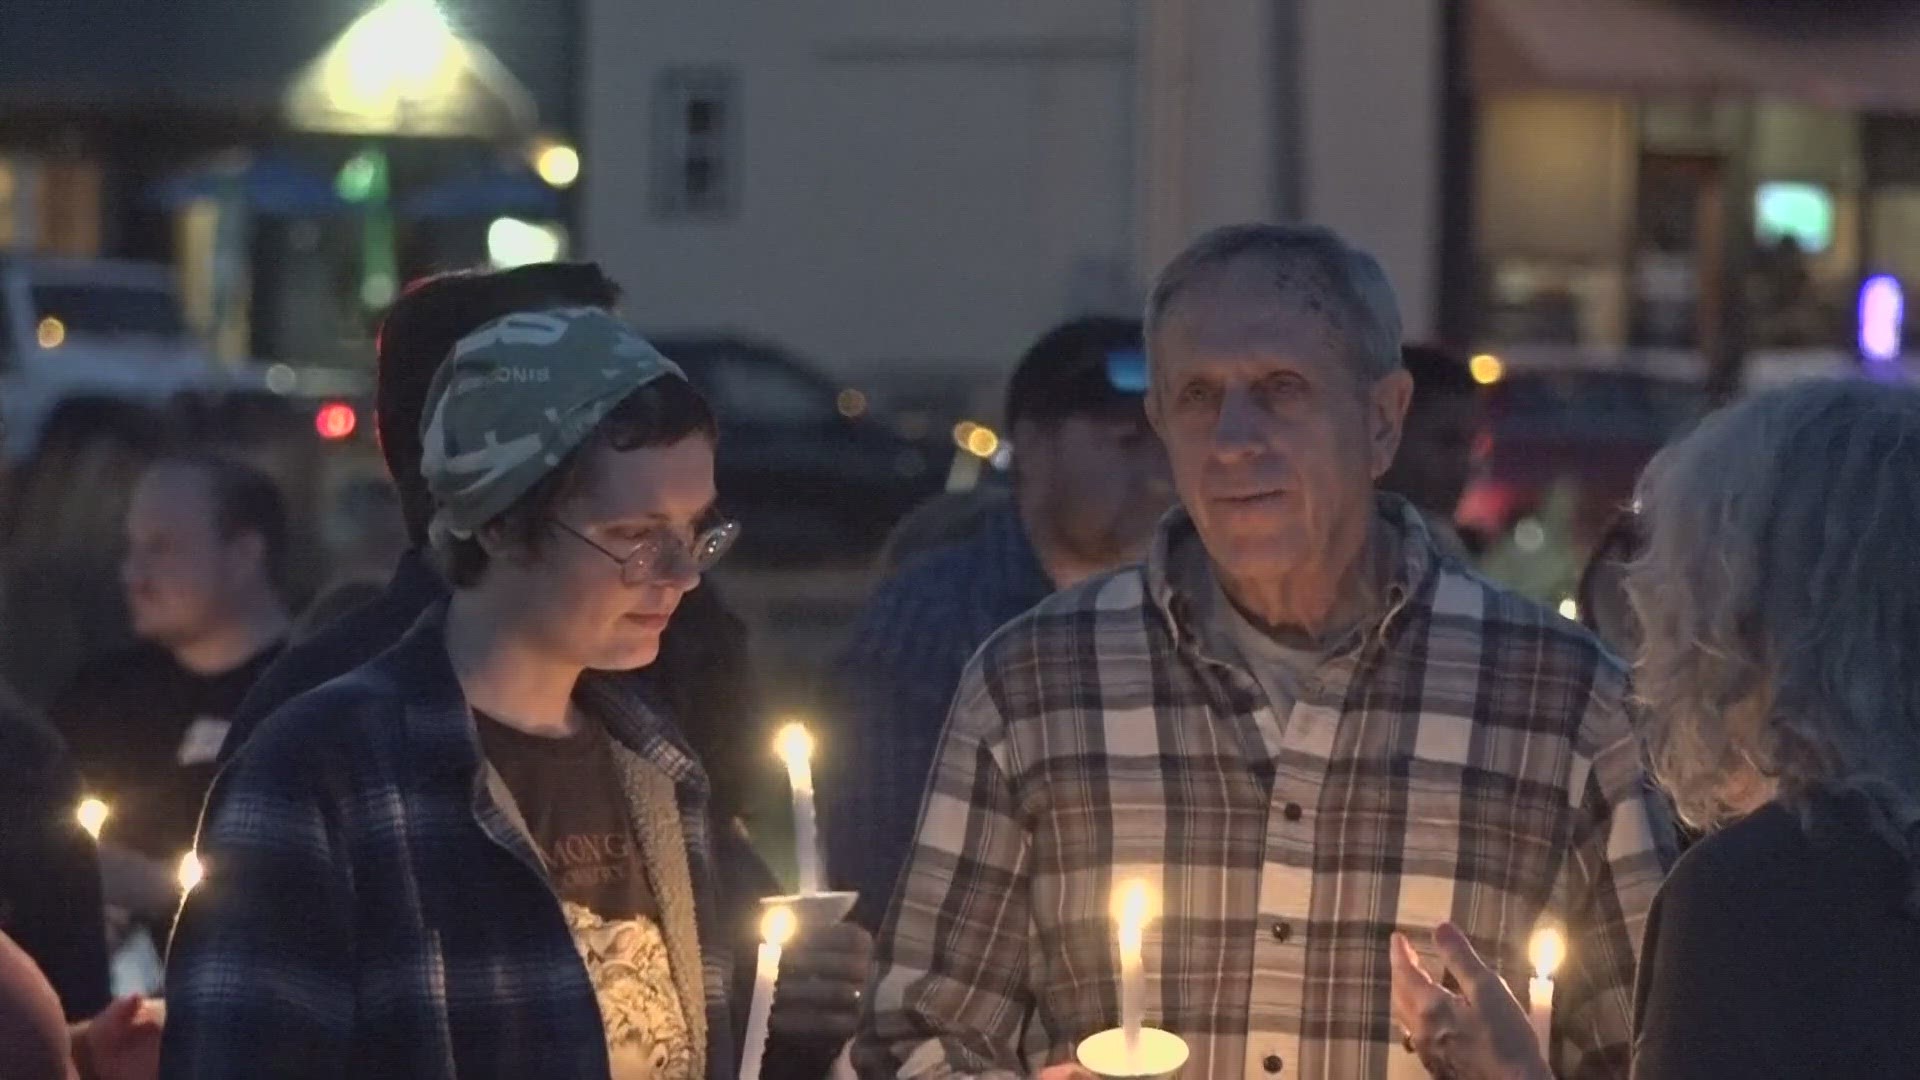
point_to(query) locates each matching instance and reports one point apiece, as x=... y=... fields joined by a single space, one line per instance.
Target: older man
x=1296 y=722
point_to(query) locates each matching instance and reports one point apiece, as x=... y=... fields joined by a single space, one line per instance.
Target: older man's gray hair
x=1307 y=264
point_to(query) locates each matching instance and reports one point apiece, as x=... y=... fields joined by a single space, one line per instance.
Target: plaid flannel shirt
x=370 y=909
x=1477 y=765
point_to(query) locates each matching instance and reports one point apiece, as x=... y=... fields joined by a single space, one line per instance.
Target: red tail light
x=335 y=421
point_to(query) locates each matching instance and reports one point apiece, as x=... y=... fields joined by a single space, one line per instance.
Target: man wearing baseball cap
x=1090 y=484
x=483 y=853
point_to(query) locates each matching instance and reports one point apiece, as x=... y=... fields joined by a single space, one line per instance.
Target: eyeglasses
x=657 y=556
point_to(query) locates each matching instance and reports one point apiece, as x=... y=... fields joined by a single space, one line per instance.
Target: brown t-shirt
x=570 y=798
x=568 y=792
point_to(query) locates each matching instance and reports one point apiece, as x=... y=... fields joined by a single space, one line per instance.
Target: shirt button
x=1282 y=932
x=1293 y=811
x=1273 y=1064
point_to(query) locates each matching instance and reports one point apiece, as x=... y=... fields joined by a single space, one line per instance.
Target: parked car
x=1597 y=429
x=805 y=465
x=88 y=345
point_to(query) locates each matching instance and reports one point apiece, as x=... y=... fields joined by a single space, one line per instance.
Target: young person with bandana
x=484 y=853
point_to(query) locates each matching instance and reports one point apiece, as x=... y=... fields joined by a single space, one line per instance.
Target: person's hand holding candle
x=1481 y=1033
x=822 y=976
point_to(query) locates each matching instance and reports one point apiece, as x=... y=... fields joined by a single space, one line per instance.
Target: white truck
x=82 y=337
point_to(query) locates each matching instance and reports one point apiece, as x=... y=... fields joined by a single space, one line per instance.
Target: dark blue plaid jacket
x=889 y=692
x=370 y=910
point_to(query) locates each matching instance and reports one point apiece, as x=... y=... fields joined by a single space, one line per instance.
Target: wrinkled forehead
x=1244 y=318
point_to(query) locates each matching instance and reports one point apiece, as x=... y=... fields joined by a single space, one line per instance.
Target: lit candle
x=190 y=872
x=795 y=747
x=777 y=927
x=93 y=815
x=1131 y=914
x=1546 y=951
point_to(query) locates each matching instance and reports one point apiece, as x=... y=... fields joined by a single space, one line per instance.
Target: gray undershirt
x=1289 y=667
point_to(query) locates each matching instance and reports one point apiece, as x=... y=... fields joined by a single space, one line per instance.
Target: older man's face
x=1274 y=435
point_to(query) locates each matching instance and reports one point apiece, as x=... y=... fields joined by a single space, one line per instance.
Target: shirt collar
x=1180 y=578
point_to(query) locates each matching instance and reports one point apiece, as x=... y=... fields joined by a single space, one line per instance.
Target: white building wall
x=928 y=185
x=925 y=183
x=1370 y=103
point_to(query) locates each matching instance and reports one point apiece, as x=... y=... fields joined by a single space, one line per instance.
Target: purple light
x=1882 y=311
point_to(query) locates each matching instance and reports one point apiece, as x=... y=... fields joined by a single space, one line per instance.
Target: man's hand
x=822 y=974
x=1482 y=1034
x=122 y=1043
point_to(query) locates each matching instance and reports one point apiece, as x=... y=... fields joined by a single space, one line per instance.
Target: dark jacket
x=374 y=906
x=49 y=878
x=701 y=679
x=889 y=692
x=1778 y=951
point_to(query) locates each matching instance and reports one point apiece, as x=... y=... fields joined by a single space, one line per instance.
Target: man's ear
x=1387 y=402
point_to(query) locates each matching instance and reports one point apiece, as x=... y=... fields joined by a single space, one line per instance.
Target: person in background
x=702 y=678
x=49 y=878
x=1089 y=483
x=206 y=551
x=951 y=517
x=1780 y=633
x=1297 y=722
x=1436 y=450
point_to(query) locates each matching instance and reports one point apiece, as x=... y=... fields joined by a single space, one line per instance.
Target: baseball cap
x=1091 y=366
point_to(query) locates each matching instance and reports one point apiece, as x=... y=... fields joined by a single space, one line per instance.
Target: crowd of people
x=1221 y=638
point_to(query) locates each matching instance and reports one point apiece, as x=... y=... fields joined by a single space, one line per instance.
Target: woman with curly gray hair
x=1778 y=601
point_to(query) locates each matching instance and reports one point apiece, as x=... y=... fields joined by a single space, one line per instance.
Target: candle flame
x=190 y=873
x=93 y=815
x=1546 y=951
x=794 y=744
x=778 y=926
x=1132 y=911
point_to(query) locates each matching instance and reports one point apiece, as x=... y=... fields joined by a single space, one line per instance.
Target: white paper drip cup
x=1161 y=1055
x=814 y=910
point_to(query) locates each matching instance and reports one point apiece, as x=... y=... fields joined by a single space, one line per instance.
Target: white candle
x=1546 y=951
x=795 y=746
x=776 y=929
x=1131 y=914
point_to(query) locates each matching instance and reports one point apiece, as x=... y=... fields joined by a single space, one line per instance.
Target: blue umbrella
x=267 y=184
x=484 y=193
